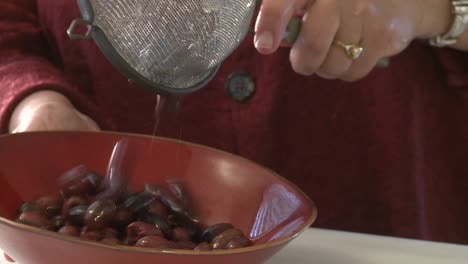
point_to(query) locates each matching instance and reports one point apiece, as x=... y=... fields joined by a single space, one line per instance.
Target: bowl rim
x=180 y=252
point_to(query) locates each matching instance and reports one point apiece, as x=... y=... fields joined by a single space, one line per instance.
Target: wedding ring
x=353 y=51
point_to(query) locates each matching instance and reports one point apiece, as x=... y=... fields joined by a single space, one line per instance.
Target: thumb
x=272 y=22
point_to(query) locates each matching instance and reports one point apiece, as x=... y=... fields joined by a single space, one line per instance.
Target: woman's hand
x=382 y=28
x=48 y=110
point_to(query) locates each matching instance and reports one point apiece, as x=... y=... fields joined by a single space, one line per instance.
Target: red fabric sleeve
x=24 y=64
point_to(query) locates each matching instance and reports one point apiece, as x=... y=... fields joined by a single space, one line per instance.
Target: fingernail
x=264 y=40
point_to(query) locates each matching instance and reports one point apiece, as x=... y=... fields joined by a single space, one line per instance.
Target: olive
x=238 y=242
x=58 y=221
x=110 y=232
x=51 y=204
x=137 y=230
x=154 y=242
x=176 y=220
x=100 y=214
x=123 y=217
x=71 y=182
x=158 y=208
x=204 y=246
x=77 y=214
x=35 y=218
x=180 y=234
x=170 y=201
x=93 y=181
x=73 y=202
x=159 y=223
x=30 y=207
x=136 y=203
x=212 y=231
x=179 y=192
x=89 y=234
x=221 y=240
x=70 y=230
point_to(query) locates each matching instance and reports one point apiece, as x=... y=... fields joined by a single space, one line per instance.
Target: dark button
x=240 y=86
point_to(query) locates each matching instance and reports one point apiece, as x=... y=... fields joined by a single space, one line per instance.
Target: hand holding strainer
x=170 y=46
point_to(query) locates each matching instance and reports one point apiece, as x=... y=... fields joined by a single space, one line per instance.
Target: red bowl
x=224 y=188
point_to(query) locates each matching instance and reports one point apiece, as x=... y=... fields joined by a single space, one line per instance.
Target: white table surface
x=318 y=246
x=333 y=247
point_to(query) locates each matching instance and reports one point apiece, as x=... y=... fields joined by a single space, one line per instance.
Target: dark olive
x=87 y=185
x=123 y=217
x=77 y=214
x=71 y=181
x=110 y=232
x=154 y=242
x=169 y=200
x=30 y=207
x=73 y=202
x=93 y=235
x=158 y=208
x=212 y=231
x=51 y=204
x=238 y=242
x=159 y=223
x=70 y=230
x=221 y=240
x=100 y=214
x=136 y=203
x=58 y=221
x=35 y=218
x=180 y=234
x=176 y=220
x=203 y=247
x=137 y=230
x=179 y=192
x=93 y=182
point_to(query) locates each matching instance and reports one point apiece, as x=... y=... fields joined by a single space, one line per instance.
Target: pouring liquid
x=165 y=115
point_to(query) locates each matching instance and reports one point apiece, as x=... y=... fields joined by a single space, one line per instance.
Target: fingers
x=337 y=63
x=364 y=65
x=272 y=21
x=320 y=25
x=32 y=124
x=51 y=118
x=380 y=28
x=88 y=123
x=373 y=43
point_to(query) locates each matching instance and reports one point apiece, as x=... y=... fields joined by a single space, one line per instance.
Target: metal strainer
x=168 y=46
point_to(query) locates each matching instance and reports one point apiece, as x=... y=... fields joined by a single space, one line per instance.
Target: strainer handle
x=292 y=31
x=74 y=26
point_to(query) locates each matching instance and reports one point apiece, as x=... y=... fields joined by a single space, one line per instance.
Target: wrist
x=34 y=101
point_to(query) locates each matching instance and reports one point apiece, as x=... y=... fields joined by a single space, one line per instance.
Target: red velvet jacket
x=385 y=155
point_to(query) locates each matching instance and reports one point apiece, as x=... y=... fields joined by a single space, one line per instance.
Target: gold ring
x=353 y=51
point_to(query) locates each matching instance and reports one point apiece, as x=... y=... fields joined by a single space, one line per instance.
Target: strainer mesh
x=174 y=43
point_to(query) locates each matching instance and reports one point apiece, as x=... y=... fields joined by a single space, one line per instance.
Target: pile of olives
x=94 y=208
